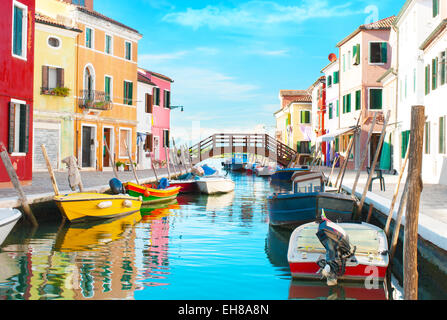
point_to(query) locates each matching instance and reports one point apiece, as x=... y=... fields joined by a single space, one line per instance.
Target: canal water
x=198 y=248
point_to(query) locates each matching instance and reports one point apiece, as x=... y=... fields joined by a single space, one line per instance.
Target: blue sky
x=229 y=59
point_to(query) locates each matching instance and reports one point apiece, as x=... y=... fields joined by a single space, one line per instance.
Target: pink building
x=161 y=112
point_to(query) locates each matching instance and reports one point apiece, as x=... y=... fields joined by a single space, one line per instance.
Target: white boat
x=8 y=219
x=264 y=171
x=214 y=185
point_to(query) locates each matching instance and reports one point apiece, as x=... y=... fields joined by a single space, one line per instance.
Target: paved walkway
x=433 y=204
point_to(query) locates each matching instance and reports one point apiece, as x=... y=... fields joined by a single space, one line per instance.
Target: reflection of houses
x=16 y=86
x=293 y=120
x=54 y=94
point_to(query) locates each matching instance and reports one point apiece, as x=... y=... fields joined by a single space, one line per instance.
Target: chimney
x=82 y=3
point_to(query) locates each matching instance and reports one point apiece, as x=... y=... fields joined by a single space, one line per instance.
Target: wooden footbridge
x=257 y=144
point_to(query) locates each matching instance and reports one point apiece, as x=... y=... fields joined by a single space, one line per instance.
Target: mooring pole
x=414 y=194
x=16 y=183
x=131 y=163
x=50 y=170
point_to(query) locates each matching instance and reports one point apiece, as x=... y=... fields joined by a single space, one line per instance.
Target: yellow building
x=106 y=84
x=293 y=120
x=54 y=90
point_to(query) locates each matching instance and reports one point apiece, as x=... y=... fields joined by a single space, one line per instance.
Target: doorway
x=88 y=147
x=107 y=161
x=373 y=147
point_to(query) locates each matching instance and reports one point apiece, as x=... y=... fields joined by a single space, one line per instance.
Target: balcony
x=96 y=100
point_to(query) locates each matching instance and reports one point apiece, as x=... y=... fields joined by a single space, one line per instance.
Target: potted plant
x=120 y=165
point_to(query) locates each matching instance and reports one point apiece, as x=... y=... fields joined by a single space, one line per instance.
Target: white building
x=144 y=117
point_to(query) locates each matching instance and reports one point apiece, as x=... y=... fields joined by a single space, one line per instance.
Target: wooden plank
x=50 y=170
x=112 y=159
x=167 y=162
x=415 y=186
x=131 y=163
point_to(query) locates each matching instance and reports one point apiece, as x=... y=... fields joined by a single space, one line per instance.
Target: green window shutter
x=12 y=122
x=302 y=116
x=442 y=135
x=357 y=57
x=24 y=128
x=330 y=110
x=348 y=103
x=336 y=77
x=375 y=99
x=307 y=116
x=88 y=38
x=384 y=49
x=18 y=31
x=338 y=108
x=427 y=79
x=358 y=97
x=435 y=8
x=434 y=73
x=130 y=93
x=405 y=138
x=107 y=88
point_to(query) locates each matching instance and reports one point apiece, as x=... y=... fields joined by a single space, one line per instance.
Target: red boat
x=187 y=186
x=353 y=251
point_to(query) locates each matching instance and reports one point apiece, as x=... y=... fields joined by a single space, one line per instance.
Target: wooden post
x=176 y=157
x=415 y=186
x=336 y=159
x=373 y=165
x=396 y=191
x=368 y=218
x=167 y=163
x=364 y=153
x=50 y=170
x=341 y=174
x=112 y=159
x=131 y=163
x=397 y=224
x=173 y=160
x=16 y=183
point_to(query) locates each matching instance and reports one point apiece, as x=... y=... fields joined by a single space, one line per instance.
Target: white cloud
x=161 y=57
x=253 y=14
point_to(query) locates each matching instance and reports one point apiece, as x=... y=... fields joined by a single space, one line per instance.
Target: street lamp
x=175 y=107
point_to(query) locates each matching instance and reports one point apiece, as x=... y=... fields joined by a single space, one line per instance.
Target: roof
x=319 y=80
x=284 y=93
x=384 y=24
x=148 y=74
x=159 y=75
x=144 y=79
x=103 y=17
x=402 y=11
x=434 y=34
x=330 y=64
x=386 y=74
x=43 y=19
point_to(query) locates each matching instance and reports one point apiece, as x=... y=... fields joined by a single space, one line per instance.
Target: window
x=19 y=30
x=378 y=52
x=331 y=111
x=375 y=98
x=427 y=79
x=148 y=103
x=427 y=138
x=128 y=92
x=358 y=100
x=166 y=138
x=442 y=135
x=356 y=54
x=347 y=103
x=19 y=115
x=329 y=81
x=303 y=147
x=442 y=69
x=79 y=2
x=108 y=44
x=88 y=38
x=157 y=96
x=52 y=78
x=435 y=8
x=148 y=145
x=434 y=74
x=125 y=138
x=128 y=54
x=167 y=99
x=344 y=63
x=54 y=42
x=338 y=108
x=108 y=88
x=336 y=77
x=404 y=146
x=305 y=116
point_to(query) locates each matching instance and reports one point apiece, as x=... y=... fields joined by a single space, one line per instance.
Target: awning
x=331 y=136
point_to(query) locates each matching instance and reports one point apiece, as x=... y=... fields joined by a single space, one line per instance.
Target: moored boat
x=186 y=186
x=286 y=174
x=88 y=206
x=338 y=251
x=8 y=219
x=264 y=171
x=215 y=185
x=151 y=195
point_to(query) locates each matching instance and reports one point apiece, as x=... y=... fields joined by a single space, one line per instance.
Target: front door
x=106 y=161
x=373 y=147
x=88 y=147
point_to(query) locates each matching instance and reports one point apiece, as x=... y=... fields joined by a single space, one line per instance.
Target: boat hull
x=285 y=174
x=264 y=172
x=238 y=167
x=8 y=219
x=187 y=186
x=79 y=207
x=371 y=257
x=150 y=195
x=215 y=186
x=290 y=210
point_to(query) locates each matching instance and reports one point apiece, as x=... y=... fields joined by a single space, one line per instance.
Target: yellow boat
x=87 y=206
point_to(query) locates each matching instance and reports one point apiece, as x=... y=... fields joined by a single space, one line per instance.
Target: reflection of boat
x=89 y=236
x=354 y=251
x=221 y=201
x=214 y=185
x=306 y=201
x=8 y=219
x=149 y=214
x=302 y=289
x=151 y=195
x=82 y=206
x=9 y=267
x=276 y=246
x=264 y=171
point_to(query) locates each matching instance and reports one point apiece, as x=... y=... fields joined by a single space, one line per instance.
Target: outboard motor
x=116 y=186
x=338 y=250
x=163 y=184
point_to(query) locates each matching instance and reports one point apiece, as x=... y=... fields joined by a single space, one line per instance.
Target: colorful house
x=16 y=87
x=54 y=89
x=318 y=90
x=364 y=56
x=293 y=120
x=161 y=112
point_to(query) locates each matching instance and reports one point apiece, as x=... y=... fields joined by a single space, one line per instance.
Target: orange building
x=106 y=112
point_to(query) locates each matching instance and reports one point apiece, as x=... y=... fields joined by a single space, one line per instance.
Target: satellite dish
x=332 y=57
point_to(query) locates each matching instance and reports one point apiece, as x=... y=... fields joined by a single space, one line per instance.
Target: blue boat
x=304 y=204
x=285 y=175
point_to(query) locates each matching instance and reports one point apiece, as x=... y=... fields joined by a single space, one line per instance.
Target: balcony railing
x=92 y=99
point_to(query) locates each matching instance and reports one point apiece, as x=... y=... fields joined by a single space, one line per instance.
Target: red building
x=16 y=86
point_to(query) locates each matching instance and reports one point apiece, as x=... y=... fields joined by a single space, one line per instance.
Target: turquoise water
x=203 y=247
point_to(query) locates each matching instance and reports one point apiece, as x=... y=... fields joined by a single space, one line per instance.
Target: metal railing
x=92 y=99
